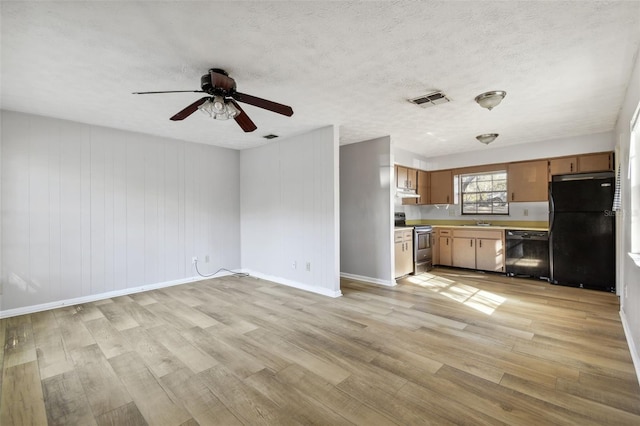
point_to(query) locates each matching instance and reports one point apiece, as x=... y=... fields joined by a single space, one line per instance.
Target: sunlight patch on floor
x=480 y=300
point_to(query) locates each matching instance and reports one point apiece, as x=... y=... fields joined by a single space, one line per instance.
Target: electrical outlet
x=526 y=212
x=452 y=212
x=308 y=266
x=206 y=259
x=293 y=265
x=194 y=259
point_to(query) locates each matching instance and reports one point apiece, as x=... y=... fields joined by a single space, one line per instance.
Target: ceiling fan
x=221 y=104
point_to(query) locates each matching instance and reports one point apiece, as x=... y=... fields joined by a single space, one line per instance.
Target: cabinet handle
x=470 y=243
x=512 y=195
x=480 y=242
x=447 y=199
x=571 y=168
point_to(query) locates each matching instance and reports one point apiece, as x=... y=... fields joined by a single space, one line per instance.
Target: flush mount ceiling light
x=490 y=100
x=218 y=108
x=487 y=138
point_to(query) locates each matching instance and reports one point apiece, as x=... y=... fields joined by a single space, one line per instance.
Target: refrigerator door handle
x=551 y=209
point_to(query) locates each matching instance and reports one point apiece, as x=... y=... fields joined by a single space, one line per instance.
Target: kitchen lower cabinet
x=489 y=254
x=403 y=252
x=471 y=248
x=464 y=252
x=444 y=248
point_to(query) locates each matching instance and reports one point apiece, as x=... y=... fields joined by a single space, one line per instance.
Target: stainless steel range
x=422 y=249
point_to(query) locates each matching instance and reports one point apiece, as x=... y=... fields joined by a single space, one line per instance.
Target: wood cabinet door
x=464 y=252
x=441 y=187
x=413 y=178
x=423 y=187
x=399 y=258
x=444 y=250
x=595 y=162
x=528 y=181
x=489 y=255
x=401 y=177
x=562 y=166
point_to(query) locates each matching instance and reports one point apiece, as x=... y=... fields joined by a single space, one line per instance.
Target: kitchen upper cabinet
x=406 y=177
x=422 y=189
x=528 y=181
x=403 y=252
x=441 y=188
x=562 y=166
x=599 y=162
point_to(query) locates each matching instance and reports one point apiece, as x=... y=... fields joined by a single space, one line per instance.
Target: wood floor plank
x=192 y=393
x=242 y=400
x=352 y=409
x=66 y=401
x=155 y=356
x=102 y=386
x=108 y=338
x=298 y=408
x=125 y=415
x=583 y=411
x=116 y=315
x=150 y=398
x=22 y=401
x=194 y=358
x=19 y=346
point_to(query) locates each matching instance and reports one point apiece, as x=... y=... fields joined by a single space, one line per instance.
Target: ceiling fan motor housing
x=209 y=87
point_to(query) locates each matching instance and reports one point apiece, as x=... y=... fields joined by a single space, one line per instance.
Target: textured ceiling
x=564 y=65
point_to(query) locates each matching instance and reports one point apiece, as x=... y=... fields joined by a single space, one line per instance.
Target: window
x=484 y=193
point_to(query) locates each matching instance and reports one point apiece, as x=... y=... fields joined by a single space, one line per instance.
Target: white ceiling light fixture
x=487 y=138
x=218 y=109
x=490 y=100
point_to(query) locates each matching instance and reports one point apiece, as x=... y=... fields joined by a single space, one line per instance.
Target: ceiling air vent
x=430 y=99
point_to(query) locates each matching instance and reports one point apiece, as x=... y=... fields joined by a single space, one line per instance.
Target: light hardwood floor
x=452 y=347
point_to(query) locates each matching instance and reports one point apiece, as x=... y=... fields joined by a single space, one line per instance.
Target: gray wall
x=289 y=211
x=89 y=210
x=366 y=211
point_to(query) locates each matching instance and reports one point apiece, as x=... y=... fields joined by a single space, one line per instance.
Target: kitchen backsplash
x=528 y=212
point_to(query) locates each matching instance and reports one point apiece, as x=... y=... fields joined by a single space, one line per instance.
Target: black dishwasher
x=527 y=253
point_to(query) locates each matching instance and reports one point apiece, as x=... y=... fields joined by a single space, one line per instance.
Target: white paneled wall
x=89 y=210
x=289 y=211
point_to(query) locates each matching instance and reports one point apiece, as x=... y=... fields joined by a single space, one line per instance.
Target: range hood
x=406 y=193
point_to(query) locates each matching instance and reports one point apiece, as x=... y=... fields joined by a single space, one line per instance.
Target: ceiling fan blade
x=167 y=91
x=221 y=80
x=263 y=103
x=189 y=110
x=243 y=119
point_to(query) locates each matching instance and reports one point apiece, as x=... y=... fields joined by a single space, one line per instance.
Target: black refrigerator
x=582 y=231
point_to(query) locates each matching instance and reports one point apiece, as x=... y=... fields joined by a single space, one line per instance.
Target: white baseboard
x=295 y=284
x=635 y=357
x=367 y=279
x=100 y=296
